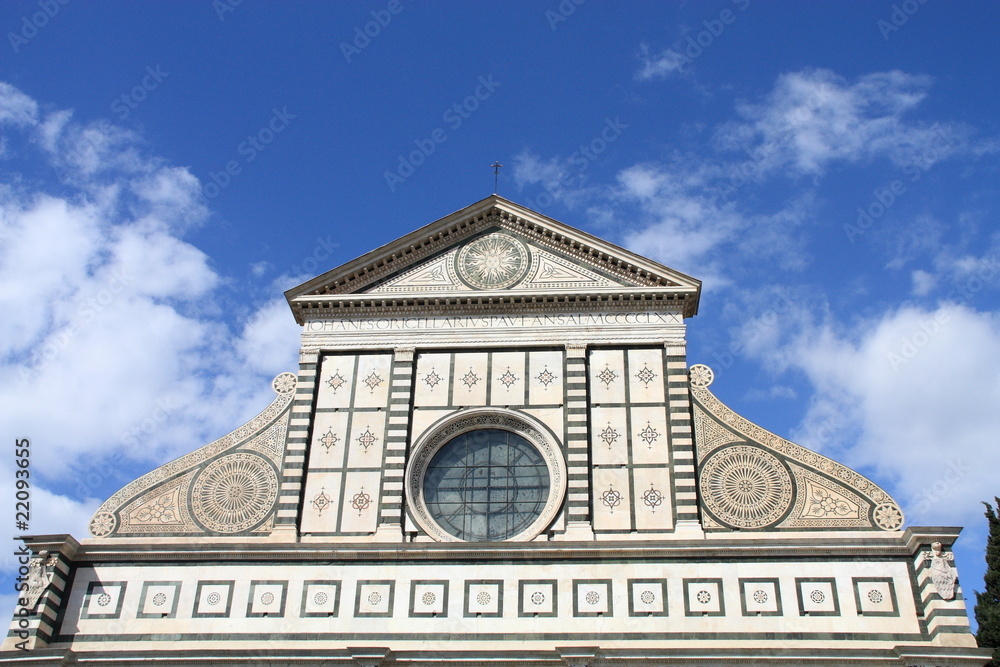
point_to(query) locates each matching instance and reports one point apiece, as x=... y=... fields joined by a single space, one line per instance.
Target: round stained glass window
x=486 y=485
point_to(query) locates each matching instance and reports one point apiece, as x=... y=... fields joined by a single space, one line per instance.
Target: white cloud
x=814 y=117
x=120 y=354
x=660 y=66
x=911 y=395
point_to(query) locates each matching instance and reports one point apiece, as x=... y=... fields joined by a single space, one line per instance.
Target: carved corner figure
x=41 y=571
x=943 y=574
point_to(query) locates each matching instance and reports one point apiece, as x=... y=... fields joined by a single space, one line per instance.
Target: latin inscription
x=491 y=322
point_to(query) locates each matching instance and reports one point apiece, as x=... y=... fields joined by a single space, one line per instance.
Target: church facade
x=495 y=450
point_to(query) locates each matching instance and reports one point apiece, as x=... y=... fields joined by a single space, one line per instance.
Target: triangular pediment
x=497 y=260
x=494 y=247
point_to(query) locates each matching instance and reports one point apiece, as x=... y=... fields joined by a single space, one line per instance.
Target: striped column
x=681 y=436
x=296 y=445
x=390 y=526
x=577 y=443
x=942 y=617
x=34 y=628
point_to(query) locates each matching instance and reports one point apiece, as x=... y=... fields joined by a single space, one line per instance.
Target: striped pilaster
x=397 y=433
x=942 y=616
x=297 y=441
x=34 y=628
x=681 y=432
x=577 y=436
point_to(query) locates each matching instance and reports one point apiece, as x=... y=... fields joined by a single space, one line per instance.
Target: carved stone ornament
x=233 y=487
x=41 y=571
x=716 y=424
x=746 y=487
x=494 y=261
x=943 y=573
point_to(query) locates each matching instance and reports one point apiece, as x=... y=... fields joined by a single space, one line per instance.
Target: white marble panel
x=470 y=381
x=335 y=384
x=608 y=436
x=703 y=597
x=371 y=387
x=374 y=599
x=760 y=597
x=429 y=598
x=645 y=368
x=329 y=440
x=361 y=495
x=875 y=597
x=431 y=384
x=267 y=599
x=551 y=417
x=652 y=499
x=321 y=598
x=507 y=379
x=607 y=376
x=367 y=440
x=422 y=420
x=649 y=435
x=320 y=502
x=818 y=597
x=545 y=377
x=592 y=598
x=611 y=495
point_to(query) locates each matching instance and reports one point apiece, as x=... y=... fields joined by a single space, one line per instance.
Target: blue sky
x=829 y=170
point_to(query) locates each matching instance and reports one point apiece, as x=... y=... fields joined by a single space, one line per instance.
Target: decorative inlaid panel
x=875 y=596
x=104 y=599
x=374 y=598
x=612 y=496
x=159 y=599
x=817 y=596
x=760 y=597
x=592 y=597
x=320 y=598
x=607 y=376
x=484 y=597
x=267 y=598
x=538 y=597
x=647 y=597
x=703 y=597
x=213 y=599
x=428 y=598
x=746 y=487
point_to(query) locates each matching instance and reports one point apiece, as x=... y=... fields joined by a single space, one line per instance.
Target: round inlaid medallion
x=494 y=261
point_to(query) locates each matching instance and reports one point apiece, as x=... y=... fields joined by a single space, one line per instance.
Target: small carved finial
x=942 y=571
